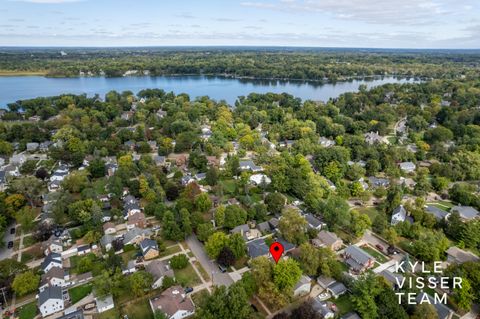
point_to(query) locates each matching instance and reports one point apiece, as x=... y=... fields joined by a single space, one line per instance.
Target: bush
x=179 y=261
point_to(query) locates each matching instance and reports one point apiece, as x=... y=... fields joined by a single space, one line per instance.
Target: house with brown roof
x=109 y=228
x=173 y=303
x=327 y=239
x=136 y=220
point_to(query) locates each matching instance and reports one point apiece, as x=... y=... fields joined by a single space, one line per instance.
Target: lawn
x=138 y=310
x=372 y=212
x=381 y=258
x=170 y=251
x=28 y=311
x=202 y=271
x=442 y=205
x=110 y=314
x=228 y=186
x=78 y=293
x=187 y=276
x=343 y=303
x=199 y=297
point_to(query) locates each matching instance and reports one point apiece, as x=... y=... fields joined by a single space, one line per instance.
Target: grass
x=240 y=263
x=343 y=304
x=170 y=251
x=228 y=186
x=80 y=292
x=138 y=310
x=199 y=297
x=381 y=258
x=187 y=276
x=442 y=205
x=370 y=211
x=110 y=314
x=28 y=241
x=28 y=311
x=202 y=270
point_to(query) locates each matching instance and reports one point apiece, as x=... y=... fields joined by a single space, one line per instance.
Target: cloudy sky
x=322 y=23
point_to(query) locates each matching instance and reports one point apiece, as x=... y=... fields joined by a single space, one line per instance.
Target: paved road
x=4 y=251
x=219 y=279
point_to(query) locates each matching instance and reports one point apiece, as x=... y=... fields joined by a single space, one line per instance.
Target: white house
x=104 y=304
x=302 y=287
x=50 y=301
x=53 y=245
x=407 y=167
x=259 y=179
x=55 y=277
x=173 y=303
x=52 y=260
x=399 y=215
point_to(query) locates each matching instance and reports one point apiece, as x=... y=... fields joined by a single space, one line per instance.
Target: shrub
x=179 y=261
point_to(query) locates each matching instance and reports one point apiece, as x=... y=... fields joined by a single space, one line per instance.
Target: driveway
x=4 y=251
x=219 y=278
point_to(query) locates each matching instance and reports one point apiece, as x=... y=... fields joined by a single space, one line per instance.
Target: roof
x=286 y=245
x=240 y=229
x=358 y=255
x=147 y=244
x=466 y=212
x=265 y=226
x=54 y=272
x=108 y=225
x=49 y=293
x=337 y=288
x=407 y=165
x=461 y=255
x=399 y=214
x=328 y=238
x=106 y=239
x=273 y=222
x=52 y=257
x=442 y=310
x=104 y=302
x=302 y=281
x=171 y=301
x=391 y=276
x=158 y=269
x=351 y=315
x=376 y=181
x=73 y=315
x=437 y=212
x=313 y=221
x=134 y=232
x=324 y=281
x=257 y=247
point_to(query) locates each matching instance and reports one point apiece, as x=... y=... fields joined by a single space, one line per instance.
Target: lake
x=13 y=88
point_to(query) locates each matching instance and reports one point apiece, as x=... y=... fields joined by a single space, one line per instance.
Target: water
x=13 y=88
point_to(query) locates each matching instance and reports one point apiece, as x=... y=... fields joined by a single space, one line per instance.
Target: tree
x=212 y=176
x=140 y=282
x=336 y=211
x=28 y=167
x=30 y=187
x=204 y=231
x=293 y=226
x=309 y=259
x=226 y=303
x=10 y=268
x=234 y=216
x=14 y=203
x=425 y=311
x=171 y=229
x=85 y=211
x=179 y=261
x=76 y=181
x=92 y=236
x=364 y=292
x=275 y=202
x=159 y=315
x=25 y=283
x=306 y=311
x=203 y=203
x=41 y=173
x=236 y=243
x=97 y=168
x=219 y=216
x=226 y=257
x=108 y=283
x=359 y=223
x=215 y=244
x=26 y=217
x=286 y=273
x=463 y=295
x=185 y=222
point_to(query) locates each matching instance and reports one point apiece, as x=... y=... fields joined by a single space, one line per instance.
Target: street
x=219 y=278
x=4 y=251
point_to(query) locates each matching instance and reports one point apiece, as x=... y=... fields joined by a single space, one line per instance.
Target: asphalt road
x=4 y=251
x=219 y=278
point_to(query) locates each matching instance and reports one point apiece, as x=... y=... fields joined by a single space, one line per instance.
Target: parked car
x=12 y=230
x=379 y=247
x=222 y=268
x=188 y=290
x=10 y=244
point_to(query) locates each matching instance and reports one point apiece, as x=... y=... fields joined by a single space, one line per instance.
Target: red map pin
x=276 y=249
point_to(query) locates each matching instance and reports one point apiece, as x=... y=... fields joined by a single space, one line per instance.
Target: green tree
x=215 y=243
x=286 y=273
x=359 y=223
x=179 y=261
x=203 y=203
x=364 y=292
x=275 y=202
x=220 y=216
x=204 y=231
x=424 y=311
x=185 y=222
x=97 y=168
x=212 y=176
x=464 y=295
x=25 y=283
x=293 y=226
x=309 y=259
x=30 y=187
x=234 y=216
x=140 y=282
x=26 y=217
x=171 y=229
x=237 y=244
x=336 y=211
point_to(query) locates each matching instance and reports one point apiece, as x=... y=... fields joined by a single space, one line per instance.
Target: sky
x=451 y=24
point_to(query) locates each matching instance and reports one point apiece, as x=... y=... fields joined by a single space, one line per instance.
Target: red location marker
x=276 y=249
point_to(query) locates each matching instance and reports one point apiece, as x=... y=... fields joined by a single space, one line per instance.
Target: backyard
x=28 y=311
x=78 y=293
x=381 y=258
x=139 y=309
x=187 y=276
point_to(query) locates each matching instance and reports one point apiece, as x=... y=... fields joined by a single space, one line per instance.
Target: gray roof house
x=456 y=255
x=373 y=137
x=106 y=241
x=248 y=165
x=327 y=239
x=351 y=315
x=159 y=160
x=313 y=222
x=357 y=259
x=52 y=260
x=336 y=289
x=257 y=248
x=407 y=167
x=442 y=310
x=466 y=212
x=264 y=227
x=438 y=213
x=50 y=301
x=32 y=147
x=399 y=215
x=104 y=304
x=159 y=269
x=378 y=182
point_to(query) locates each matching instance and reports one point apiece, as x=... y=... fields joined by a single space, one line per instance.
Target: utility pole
x=4 y=298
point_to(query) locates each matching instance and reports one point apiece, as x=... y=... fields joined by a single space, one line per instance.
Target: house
x=52 y=260
x=378 y=182
x=32 y=147
x=273 y=223
x=438 y=213
x=314 y=222
x=322 y=308
x=357 y=259
x=324 y=282
x=393 y=278
x=443 y=311
x=373 y=138
x=161 y=114
x=159 y=160
x=44 y=146
x=153 y=145
x=136 y=235
x=351 y=315
x=286 y=143
x=2 y=180
x=456 y=255
x=260 y=179
x=111 y=168
x=129 y=145
x=149 y=248
x=11 y=170
x=131 y=206
x=287 y=246
x=136 y=220
x=264 y=227
x=399 y=215
x=407 y=167
x=327 y=239
x=248 y=165
x=130 y=268
x=52 y=245
x=55 y=277
x=241 y=229
x=76 y=314
x=257 y=248
x=466 y=212
x=18 y=159
x=186 y=179
x=159 y=270
x=173 y=303
x=83 y=250
x=325 y=142
x=106 y=241
x=213 y=161
x=104 y=304
x=200 y=176
x=303 y=286
x=336 y=289
x=109 y=228
x=50 y=301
